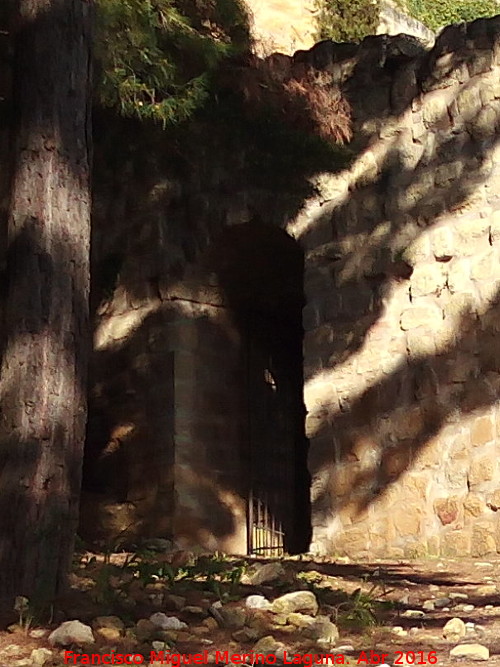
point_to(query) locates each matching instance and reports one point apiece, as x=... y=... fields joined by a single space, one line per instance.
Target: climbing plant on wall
x=352 y=20
x=154 y=57
x=436 y=15
x=346 y=20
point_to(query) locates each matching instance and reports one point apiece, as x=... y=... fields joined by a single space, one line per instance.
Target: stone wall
x=286 y=26
x=393 y=21
x=196 y=375
x=282 y=25
x=402 y=284
x=192 y=317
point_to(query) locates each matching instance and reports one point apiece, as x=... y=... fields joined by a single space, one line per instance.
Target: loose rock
x=109 y=628
x=470 y=651
x=439 y=603
x=322 y=630
x=303 y=601
x=161 y=620
x=257 y=602
x=412 y=613
x=263 y=574
x=71 y=632
x=269 y=645
x=39 y=656
x=174 y=602
x=454 y=630
x=233 y=618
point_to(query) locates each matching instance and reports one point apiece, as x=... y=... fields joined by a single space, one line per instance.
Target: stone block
x=430 y=454
x=447 y=510
x=494 y=500
x=416 y=550
x=486 y=266
x=421 y=342
x=353 y=541
x=474 y=506
x=459 y=280
x=435 y=108
x=428 y=279
x=311 y=317
x=483 y=540
x=447 y=173
x=343 y=479
x=443 y=243
x=495 y=227
x=456 y=543
x=470 y=226
x=434 y=545
x=482 y=470
x=425 y=315
x=395 y=461
x=467 y=103
x=408 y=518
x=481 y=62
x=485 y=124
x=456 y=474
x=482 y=431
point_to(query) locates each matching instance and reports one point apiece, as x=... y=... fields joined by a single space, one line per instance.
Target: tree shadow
x=422 y=166
x=238 y=162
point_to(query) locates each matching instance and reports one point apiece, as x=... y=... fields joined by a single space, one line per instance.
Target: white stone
x=454 y=629
x=39 y=656
x=38 y=633
x=257 y=602
x=161 y=620
x=71 y=632
x=470 y=651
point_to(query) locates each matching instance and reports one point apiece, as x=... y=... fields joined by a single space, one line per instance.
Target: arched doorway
x=260 y=271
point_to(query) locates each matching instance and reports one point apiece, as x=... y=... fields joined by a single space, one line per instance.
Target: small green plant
x=222 y=576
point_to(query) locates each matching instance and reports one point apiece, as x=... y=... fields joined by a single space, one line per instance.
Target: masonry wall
x=402 y=360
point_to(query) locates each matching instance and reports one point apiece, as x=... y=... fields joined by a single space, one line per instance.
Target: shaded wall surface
x=202 y=252
x=402 y=361
x=196 y=377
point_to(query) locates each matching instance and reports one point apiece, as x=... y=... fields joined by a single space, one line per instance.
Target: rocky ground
x=419 y=612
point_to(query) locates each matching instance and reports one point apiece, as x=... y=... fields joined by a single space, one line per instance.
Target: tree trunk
x=44 y=365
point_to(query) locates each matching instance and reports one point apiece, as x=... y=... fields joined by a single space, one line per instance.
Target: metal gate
x=271 y=457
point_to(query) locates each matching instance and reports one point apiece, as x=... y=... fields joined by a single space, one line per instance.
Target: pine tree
x=43 y=372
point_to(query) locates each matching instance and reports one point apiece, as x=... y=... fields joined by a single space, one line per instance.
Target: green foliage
x=363 y=609
x=435 y=15
x=154 y=57
x=352 y=20
x=347 y=20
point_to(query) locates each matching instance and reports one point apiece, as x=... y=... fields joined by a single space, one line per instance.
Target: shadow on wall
x=395 y=242
x=161 y=198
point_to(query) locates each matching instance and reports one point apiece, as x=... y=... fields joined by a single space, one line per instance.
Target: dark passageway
x=260 y=269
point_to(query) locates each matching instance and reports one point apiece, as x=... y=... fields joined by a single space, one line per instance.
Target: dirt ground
x=470 y=586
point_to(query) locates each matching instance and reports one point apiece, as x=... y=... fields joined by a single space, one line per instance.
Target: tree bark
x=44 y=364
